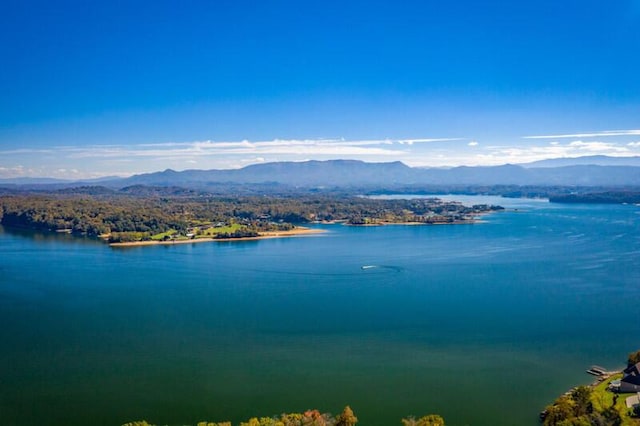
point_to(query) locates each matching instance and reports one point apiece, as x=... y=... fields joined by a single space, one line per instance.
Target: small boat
x=368 y=266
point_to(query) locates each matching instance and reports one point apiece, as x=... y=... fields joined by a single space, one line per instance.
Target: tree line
x=313 y=418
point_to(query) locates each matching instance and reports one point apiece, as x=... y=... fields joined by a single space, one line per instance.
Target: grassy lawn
x=162 y=235
x=212 y=232
x=602 y=398
x=206 y=232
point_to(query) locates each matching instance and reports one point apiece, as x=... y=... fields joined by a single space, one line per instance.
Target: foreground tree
x=634 y=358
x=560 y=411
x=347 y=418
x=582 y=398
x=428 y=420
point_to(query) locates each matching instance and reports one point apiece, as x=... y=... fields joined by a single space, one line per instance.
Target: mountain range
x=352 y=173
x=581 y=171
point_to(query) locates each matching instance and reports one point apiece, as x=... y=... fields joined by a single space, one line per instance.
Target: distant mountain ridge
x=350 y=173
x=588 y=160
x=307 y=173
x=581 y=171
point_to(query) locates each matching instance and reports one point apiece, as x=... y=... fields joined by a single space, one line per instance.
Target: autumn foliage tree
x=313 y=418
x=347 y=418
x=428 y=420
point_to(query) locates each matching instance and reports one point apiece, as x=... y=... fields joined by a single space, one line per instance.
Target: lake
x=484 y=324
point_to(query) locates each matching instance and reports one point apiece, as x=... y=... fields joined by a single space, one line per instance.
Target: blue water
x=484 y=324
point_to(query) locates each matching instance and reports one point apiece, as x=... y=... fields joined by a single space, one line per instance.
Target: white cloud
x=253 y=160
x=603 y=133
x=23 y=151
x=12 y=171
x=525 y=154
x=101 y=160
x=598 y=147
x=197 y=149
x=412 y=141
x=191 y=152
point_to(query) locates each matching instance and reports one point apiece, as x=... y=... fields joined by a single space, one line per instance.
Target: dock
x=596 y=370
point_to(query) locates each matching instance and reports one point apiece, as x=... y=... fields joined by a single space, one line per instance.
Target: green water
x=484 y=324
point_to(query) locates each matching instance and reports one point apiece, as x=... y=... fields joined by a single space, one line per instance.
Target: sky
x=101 y=88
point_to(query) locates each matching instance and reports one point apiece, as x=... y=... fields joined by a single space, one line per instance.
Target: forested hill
x=342 y=173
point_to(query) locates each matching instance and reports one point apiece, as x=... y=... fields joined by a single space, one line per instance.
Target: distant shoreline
x=299 y=231
x=475 y=218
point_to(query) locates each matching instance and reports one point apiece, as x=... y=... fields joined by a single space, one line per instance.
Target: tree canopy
x=634 y=358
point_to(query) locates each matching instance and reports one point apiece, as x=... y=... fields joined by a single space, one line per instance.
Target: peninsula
x=147 y=216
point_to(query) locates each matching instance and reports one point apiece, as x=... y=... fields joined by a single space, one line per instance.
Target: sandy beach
x=299 y=231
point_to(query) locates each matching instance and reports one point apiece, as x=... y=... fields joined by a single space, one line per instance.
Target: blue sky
x=90 y=89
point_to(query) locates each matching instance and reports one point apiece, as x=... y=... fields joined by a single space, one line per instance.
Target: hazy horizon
x=126 y=175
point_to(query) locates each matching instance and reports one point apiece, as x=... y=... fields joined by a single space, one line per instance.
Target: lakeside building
x=630 y=381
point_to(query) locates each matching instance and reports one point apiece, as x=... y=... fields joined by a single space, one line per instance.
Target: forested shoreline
x=606 y=197
x=126 y=217
x=596 y=404
x=313 y=418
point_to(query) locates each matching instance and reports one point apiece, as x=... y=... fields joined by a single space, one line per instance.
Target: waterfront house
x=630 y=381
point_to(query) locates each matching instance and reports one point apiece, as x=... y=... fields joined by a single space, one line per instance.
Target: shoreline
x=300 y=231
x=457 y=222
x=474 y=220
x=606 y=377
